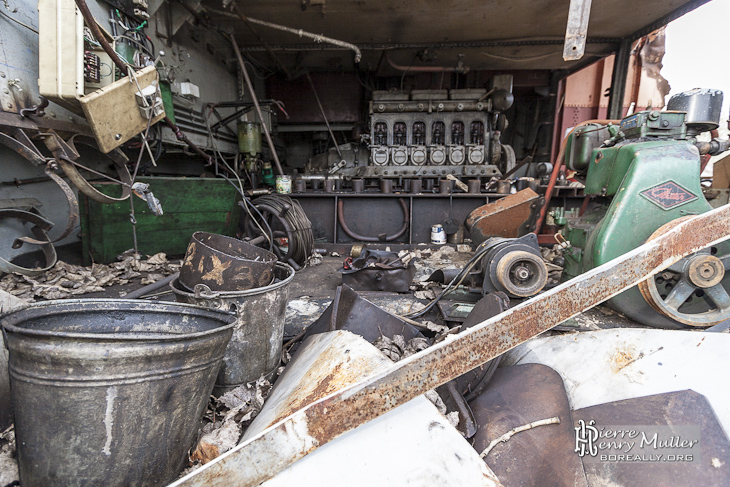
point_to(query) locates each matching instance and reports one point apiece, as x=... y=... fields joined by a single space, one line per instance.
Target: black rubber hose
x=363 y=238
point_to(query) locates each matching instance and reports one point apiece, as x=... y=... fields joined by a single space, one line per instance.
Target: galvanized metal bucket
x=110 y=392
x=255 y=348
x=6 y=406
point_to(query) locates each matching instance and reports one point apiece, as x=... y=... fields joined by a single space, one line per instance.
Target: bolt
x=522 y=273
x=5 y=90
x=2 y=74
x=118 y=137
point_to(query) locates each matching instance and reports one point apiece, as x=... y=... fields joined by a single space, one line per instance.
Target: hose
x=297 y=226
x=363 y=238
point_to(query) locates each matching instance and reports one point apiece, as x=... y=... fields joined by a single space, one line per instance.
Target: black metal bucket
x=225 y=264
x=255 y=348
x=110 y=392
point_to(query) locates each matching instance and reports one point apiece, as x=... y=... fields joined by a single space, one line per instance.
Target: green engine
x=643 y=177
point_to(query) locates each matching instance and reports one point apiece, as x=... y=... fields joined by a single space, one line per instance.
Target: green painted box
x=189 y=205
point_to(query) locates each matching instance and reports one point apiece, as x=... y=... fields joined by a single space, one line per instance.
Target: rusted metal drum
x=225 y=264
x=255 y=348
x=110 y=392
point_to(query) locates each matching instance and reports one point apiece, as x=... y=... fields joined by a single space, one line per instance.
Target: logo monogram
x=668 y=195
x=585 y=438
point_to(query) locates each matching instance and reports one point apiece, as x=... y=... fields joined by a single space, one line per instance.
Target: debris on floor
x=8 y=457
x=66 y=280
x=226 y=418
x=397 y=348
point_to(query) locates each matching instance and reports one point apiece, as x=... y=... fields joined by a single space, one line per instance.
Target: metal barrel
x=110 y=392
x=255 y=348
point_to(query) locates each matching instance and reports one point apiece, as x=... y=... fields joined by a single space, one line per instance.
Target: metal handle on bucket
x=203 y=291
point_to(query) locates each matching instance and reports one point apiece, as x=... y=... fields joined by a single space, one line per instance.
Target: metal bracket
x=577 y=29
x=40 y=226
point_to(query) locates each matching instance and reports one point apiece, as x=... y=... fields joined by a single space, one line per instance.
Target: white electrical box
x=61 y=52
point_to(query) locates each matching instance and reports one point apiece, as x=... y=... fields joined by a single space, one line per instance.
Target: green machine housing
x=642 y=175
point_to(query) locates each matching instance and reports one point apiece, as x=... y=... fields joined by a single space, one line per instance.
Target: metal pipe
x=426 y=69
x=301 y=33
x=256 y=104
x=324 y=116
x=362 y=238
x=556 y=170
x=138 y=293
x=618 y=79
x=263 y=42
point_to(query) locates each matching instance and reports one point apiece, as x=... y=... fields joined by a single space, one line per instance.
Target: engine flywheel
x=690 y=291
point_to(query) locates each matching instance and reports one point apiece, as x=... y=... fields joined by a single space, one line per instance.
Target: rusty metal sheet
x=403 y=447
x=512 y=216
x=682 y=408
x=266 y=454
x=519 y=395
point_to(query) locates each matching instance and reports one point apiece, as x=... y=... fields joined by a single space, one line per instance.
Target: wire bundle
x=298 y=226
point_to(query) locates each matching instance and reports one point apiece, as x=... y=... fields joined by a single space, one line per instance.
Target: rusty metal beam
x=265 y=455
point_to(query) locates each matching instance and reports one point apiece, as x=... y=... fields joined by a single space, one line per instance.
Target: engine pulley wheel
x=690 y=291
x=521 y=273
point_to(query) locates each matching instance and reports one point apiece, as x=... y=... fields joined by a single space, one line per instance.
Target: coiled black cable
x=297 y=226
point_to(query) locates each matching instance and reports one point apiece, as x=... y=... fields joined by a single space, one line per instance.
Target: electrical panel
x=61 y=52
x=71 y=62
